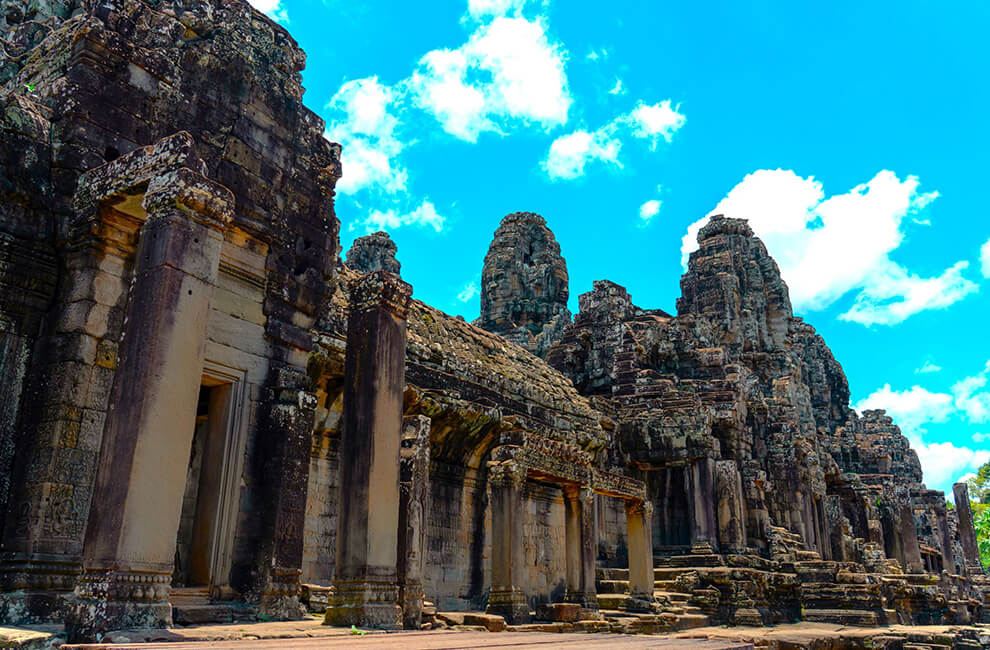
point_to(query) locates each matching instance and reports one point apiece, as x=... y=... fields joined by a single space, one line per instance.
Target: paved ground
x=447 y=640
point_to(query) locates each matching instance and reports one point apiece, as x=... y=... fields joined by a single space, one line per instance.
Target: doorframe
x=235 y=420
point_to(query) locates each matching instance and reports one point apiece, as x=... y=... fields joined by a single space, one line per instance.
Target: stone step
x=665 y=585
x=691 y=621
x=213 y=613
x=857 y=617
x=673 y=596
x=612 y=601
x=613 y=586
x=612 y=574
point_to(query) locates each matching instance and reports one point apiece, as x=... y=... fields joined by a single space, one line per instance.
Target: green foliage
x=981 y=522
x=979 y=485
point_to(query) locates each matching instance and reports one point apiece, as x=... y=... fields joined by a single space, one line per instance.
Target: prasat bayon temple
x=210 y=413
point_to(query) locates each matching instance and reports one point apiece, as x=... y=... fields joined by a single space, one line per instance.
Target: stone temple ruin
x=208 y=415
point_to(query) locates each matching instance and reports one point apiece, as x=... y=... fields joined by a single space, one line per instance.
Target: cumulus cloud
x=655 y=121
x=469 y=291
x=649 y=210
x=618 y=89
x=424 y=215
x=365 y=127
x=569 y=154
x=807 y=233
x=509 y=70
x=928 y=367
x=943 y=464
x=273 y=8
x=985 y=259
x=911 y=409
x=973 y=397
x=479 y=9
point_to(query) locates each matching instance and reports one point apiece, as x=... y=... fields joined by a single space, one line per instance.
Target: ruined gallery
x=209 y=413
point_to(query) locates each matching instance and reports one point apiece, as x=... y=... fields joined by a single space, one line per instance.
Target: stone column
x=909 y=540
x=507 y=597
x=639 y=524
x=945 y=536
x=414 y=495
x=700 y=477
x=366 y=589
x=130 y=537
x=965 y=529
x=581 y=544
x=731 y=507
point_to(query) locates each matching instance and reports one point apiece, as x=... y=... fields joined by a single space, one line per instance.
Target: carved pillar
x=639 y=523
x=130 y=536
x=700 y=477
x=581 y=546
x=965 y=529
x=945 y=537
x=365 y=580
x=414 y=493
x=731 y=515
x=507 y=597
x=909 y=540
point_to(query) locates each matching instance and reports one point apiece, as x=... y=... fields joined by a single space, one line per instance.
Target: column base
x=510 y=604
x=107 y=600
x=412 y=606
x=642 y=603
x=365 y=604
x=588 y=603
x=280 y=599
x=36 y=587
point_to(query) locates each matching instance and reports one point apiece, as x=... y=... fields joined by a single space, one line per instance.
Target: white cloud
x=424 y=215
x=366 y=130
x=911 y=409
x=973 y=397
x=469 y=291
x=594 y=55
x=894 y=294
x=928 y=367
x=273 y=8
x=985 y=259
x=618 y=89
x=570 y=153
x=981 y=437
x=655 y=121
x=649 y=210
x=479 y=9
x=943 y=464
x=508 y=71
x=827 y=247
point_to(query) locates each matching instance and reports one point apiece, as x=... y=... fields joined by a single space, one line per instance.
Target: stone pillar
x=965 y=529
x=582 y=544
x=507 y=597
x=366 y=589
x=414 y=494
x=639 y=524
x=130 y=537
x=909 y=540
x=945 y=537
x=700 y=478
x=731 y=507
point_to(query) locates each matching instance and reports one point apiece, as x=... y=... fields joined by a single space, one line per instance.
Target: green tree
x=979 y=500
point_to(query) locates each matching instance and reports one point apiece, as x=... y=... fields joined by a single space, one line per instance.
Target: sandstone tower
x=524 y=284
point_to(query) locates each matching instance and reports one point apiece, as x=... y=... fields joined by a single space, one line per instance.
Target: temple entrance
x=205 y=530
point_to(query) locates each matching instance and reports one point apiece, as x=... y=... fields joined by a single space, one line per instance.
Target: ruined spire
x=524 y=284
x=374 y=252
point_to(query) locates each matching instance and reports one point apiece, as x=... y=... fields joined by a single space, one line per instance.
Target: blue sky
x=853 y=135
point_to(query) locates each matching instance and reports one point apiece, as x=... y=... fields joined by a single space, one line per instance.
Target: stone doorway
x=205 y=532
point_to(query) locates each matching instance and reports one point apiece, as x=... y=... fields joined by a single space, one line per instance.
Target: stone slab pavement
x=442 y=640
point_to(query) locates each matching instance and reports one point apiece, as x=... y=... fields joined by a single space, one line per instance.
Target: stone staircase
x=192 y=606
x=675 y=613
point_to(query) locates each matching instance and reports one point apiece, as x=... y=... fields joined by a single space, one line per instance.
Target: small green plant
x=356 y=631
